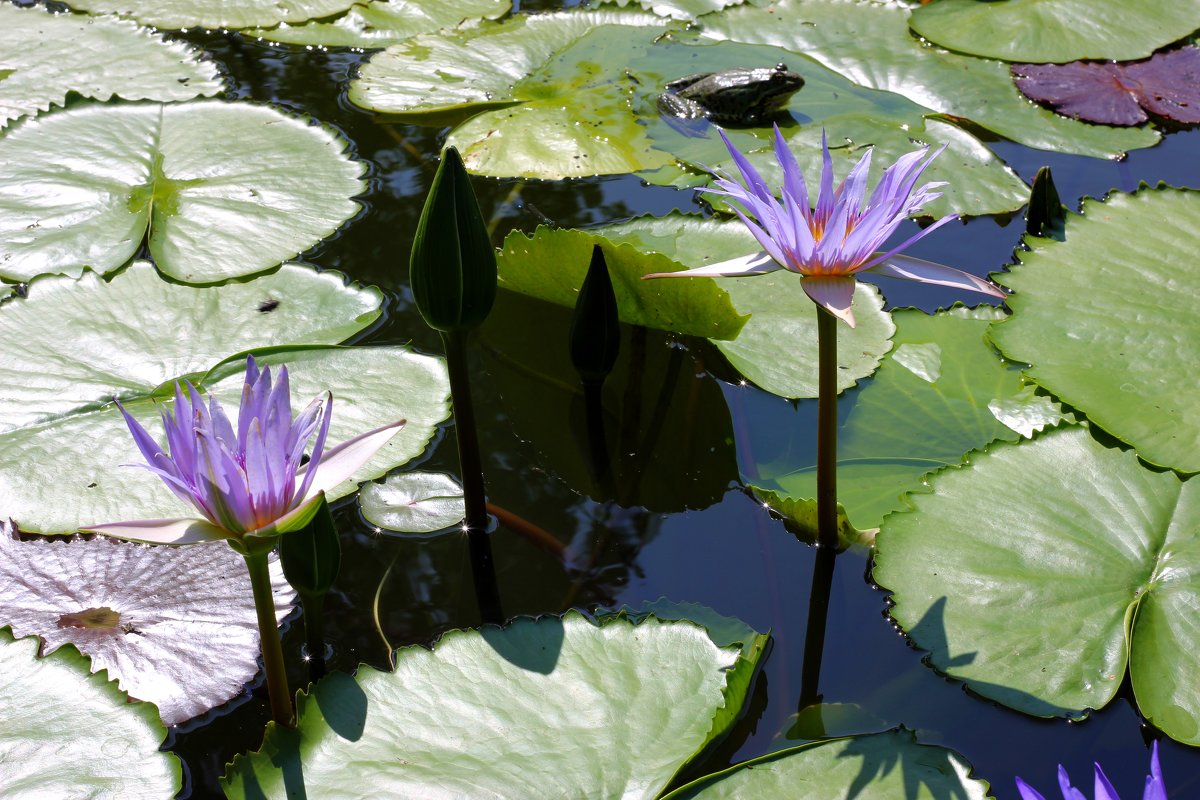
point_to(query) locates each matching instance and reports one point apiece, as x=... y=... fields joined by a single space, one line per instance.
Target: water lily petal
x=1156 y=789
x=834 y=293
x=1103 y=788
x=753 y=264
x=290 y=522
x=162 y=531
x=921 y=234
x=339 y=463
x=318 y=452
x=915 y=269
x=1064 y=786
x=1027 y=792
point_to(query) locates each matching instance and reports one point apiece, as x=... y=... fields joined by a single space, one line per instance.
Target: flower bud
x=453 y=266
x=595 y=335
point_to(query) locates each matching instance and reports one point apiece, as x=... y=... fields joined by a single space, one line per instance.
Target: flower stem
x=827 y=523
x=272 y=647
x=479 y=543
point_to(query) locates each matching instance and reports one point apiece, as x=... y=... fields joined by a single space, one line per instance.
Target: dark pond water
x=728 y=553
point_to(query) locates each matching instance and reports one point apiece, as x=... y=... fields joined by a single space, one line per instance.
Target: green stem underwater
x=827 y=522
x=272 y=647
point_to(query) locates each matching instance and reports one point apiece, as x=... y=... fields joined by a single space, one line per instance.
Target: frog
x=732 y=97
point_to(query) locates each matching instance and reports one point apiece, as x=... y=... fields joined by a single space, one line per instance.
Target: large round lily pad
x=870 y=43
x=46 y=55
x=1056 y=30
x=471 y=717
x=1043 y=569
x=941 y=392
x=676 y=9
x=379 y=23
x=221 y=190
x=174 y=626
x=1107 y=320
x=174 y=14
x=777 y=348
x=67 y=733
x=878 y=766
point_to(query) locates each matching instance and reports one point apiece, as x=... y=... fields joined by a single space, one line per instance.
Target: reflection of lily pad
x=1040 y=571
x=940 y=393
x=66 y=733
x=483 y=700
x=879 y=766
x=174 y=14
x=551 y=265
x=413 y=502
x=378 y=23
x=1107 y=319
x=222 y=189
x=777 y=349
x=174 y=626
x=1062 y=30
x=545 y=106
x=870 y=43
x=44 y=56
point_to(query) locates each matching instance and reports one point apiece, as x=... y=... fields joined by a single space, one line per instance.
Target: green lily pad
x=544 y=106
x=870 y=43
x=1056 y=30
x=74 y=344
x=878 y=766
x=551 y=265
x=176 y=14
x=73 y=734
x=221 y=190
x=379 y=23
x=676 y=9
x=174 y=626
x=46 y=55
x=483 y=700
x=667 y=435
x=413 y=502
x=777 y=349
x=939 y=394
x=1123 y=350
x=1040 y=571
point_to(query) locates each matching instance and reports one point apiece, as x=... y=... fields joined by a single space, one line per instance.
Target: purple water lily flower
x=1155 y=788
x=840 y=236
x=247 y=481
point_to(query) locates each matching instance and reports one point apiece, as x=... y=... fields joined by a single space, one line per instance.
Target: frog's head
x=781 y=83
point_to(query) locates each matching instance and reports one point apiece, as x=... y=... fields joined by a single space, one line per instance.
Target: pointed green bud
x=595 y=331
x=453 y=267
x=1046 y=215
x=311 y=557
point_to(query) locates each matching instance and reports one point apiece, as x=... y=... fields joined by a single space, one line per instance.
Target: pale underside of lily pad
x=219 y=190
x=44 y=56
x=67 y=733
x=174 y=626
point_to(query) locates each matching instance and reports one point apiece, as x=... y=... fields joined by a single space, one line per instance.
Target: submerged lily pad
x=175 y=14
x=221 y=190
x=413 y=502
x=939 y=394
x=484 y=700
x=68 y=733
x=174 y=626
x=1090 y=562
x=1062 y=30
x=544 y=106
x=777 y=348
x=1118 y=94
x=870 y=43
x=551 y=265
x=1108 y=323
x=379 y=23
x=44 y=56
x=878 y=766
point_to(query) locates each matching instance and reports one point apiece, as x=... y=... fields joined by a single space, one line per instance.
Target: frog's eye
x=781 y=67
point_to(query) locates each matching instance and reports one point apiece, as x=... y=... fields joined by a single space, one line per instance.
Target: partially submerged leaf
x=67 y=733
x=413 y=502
x=484 y=700
x=1166 y=85
x=174 y=626
x=44 y=56
x=379 y=23
x=220 y=190
x=175 y=14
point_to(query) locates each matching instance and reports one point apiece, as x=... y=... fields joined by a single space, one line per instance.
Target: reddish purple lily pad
x=1166 y=85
